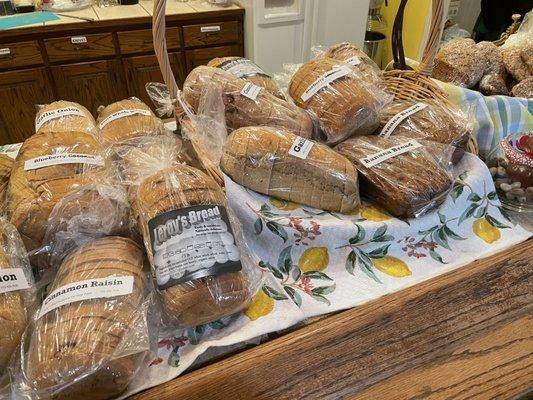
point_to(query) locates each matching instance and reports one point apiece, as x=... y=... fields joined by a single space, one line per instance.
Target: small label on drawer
x=251 y=91
x=301 y=147
x=213 y=28
x=383 y=155
x=123 y=114
x=5 y=51
x=78 y=39
x=54 y=114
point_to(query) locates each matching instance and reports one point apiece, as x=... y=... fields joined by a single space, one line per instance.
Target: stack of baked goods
x=61 y=116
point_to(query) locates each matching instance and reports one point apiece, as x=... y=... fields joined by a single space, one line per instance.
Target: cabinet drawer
x=80 y=47
x=198 y=57
x=20 y=54
x=211 y=33
x=141 y=41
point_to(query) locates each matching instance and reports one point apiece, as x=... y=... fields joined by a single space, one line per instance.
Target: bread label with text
x=62 y=158
x=11 y=150
x=353 y=61
x=301 y=147
x=192 y=243
x=54 y=114
x=242 y=68
x=383 y=155
x=123 y=114
x=251 y=91
x=391 y=125
x=330 y=76
x=12 y=279
x=89 y=289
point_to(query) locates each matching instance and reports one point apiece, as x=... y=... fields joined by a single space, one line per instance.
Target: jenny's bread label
x=301 y=147
x=89 y=289
x=394 y=151
x=192 y=243
x=353 y=61
x=251 y=91
x=123 y=114
x=62 y=158
x=333 y=74
x=54 y=114
x=396 y=120
x=12 y=279
x=242 y=68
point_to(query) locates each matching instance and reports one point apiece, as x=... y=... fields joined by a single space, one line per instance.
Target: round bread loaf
x=6 y=164
x=344 y=106
x=126 y=119
x=524 y=88
x=516 y=65
x=240 y=110
x=64 y=116
x=91 y=348
x=357 y=58
x=202 y=300
x=258 y=158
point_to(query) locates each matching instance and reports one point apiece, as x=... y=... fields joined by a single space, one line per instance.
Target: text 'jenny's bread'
x=6 y=164
x=259 y=158
x=407 y=184
x=64 y=116
x=91 y=348
x=241 y=110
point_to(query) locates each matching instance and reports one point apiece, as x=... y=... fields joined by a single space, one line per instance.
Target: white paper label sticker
x=53 y=114
x=5 y=51
x=325 y=79
x=301 y=147
x=214 y=28
x=11 y=150
x=383 y=155
x=62 y=158
x=78 y=39
x=89 y=289
x=353 y=61
x=12 y=279
x=391 y=125
x=251 y=91
x=122 y=114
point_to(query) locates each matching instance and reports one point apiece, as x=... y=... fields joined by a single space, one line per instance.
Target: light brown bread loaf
x=460 y=62
x=65 y=116
x=242 y=111
x=6 y=164
x=258 y=158
x=349 y=53
x=524 y=88
x=514 y=63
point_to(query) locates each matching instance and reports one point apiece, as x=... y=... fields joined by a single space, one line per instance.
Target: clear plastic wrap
x=407 y=177
x=245 y=103
x=6 y=164
x=429 y=120
x=126 y=119
x=90 y=336
x=342 y=101
x=277 y=163
x=64 y=116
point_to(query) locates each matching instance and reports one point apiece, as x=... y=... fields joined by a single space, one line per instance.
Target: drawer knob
x=212 y=28
x=78 y=39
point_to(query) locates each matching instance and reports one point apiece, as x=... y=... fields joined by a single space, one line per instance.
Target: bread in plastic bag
x=407 y=177
x=277 y=163
x=341 y=100
x=246 y=104
x=6 y=164
x=64 y=116
x=90 y=336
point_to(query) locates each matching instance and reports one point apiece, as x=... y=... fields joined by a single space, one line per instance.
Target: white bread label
x=98 y=288
x=5 y=51
x=213 y=28
x=353 y=61
x=383 y=155
x=54 y=114
x=191 y=243
x=11 y=150
x=242 y=68
x=78 y=39
x=12 y=279
x=301 y=147
x=330 y=76
x=251 y=91
x=62 y=158
x=391 y=125
x=122 y=114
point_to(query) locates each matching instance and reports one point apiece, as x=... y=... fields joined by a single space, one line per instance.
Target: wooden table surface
x=467 y=334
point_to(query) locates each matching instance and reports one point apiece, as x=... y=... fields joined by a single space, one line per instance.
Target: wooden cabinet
x=91 y=84
x=142 y=41
x=20 y=91
x=80 y=47
x=211 y=33
x=198 y=57
x=21 y=54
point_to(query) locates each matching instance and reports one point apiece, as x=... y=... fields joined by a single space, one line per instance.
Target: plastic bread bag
x=245 y=103
x=428 y=120
x=91 y=335
x=126 y=119
x=17 y=296
x=48 y=166
x=160 y=96
x=341 y=100
x=407 y=177
x=241 y=67
x=277 y=163
x=6 y=164
x=64 y=116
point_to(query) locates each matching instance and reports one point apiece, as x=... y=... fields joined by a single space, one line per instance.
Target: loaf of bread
x=241 y=67
x=460 y=62
x=242 y=109
x=199 y=285
x=338 y=97
x=262 y=159
x=49 y=165
x=91 y=348
x=524 y=88
x=64 y=116
x=6 y=164
x=407 y=184
x=357 y=58
x=126 y=119
x=514 y=63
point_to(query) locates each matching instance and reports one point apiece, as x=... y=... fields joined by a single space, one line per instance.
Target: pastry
x=493 y=84
x=6 y=163
x=64 y=116
x=262 y=159
x=524 y=88
x=515 y=65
